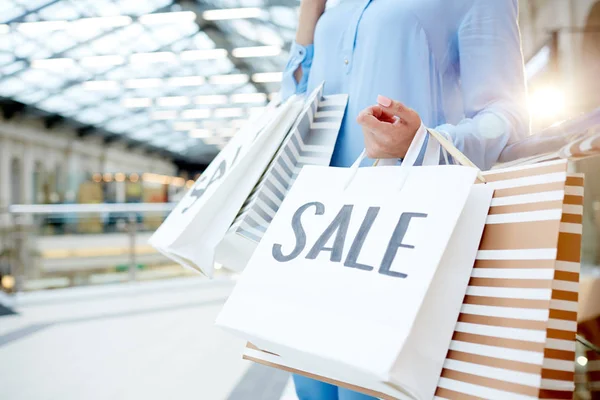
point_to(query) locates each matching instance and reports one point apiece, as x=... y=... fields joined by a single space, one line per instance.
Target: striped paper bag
x=515 y=337
x=310 y=142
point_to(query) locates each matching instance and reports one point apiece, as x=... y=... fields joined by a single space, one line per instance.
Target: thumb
x=394 y=107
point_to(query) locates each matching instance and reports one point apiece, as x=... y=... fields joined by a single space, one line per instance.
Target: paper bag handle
x=412 y=154
x=409 y=160
x=455 y=153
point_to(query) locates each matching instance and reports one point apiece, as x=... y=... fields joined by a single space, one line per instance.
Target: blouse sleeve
x=300 y=56
x=493 y=83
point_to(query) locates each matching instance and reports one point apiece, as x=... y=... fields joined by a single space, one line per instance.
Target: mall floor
x=153 y=340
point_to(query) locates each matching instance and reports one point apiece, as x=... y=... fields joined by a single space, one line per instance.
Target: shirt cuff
x=300 y=56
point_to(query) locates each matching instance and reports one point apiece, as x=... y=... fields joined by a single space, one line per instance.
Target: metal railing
x=49 y=209
x=31 y=251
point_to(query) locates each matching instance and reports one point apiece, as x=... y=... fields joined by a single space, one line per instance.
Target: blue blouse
x=457 y=63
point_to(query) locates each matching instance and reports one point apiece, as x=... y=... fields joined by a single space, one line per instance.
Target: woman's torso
x=403 y=49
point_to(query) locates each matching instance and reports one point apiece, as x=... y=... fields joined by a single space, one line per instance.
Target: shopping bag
x=515 y=335
x=310 y=142
x=193 y=229
x=361 y=273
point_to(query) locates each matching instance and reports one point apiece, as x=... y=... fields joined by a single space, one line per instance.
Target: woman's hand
x=389 y=128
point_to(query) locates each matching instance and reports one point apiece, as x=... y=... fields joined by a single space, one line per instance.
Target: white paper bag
x=194 y=228
x=310 y=142
x=355 y=279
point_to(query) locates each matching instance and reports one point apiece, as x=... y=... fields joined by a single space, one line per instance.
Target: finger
x=383 y=115
x=364 y=114
x=378 y=112
x=369 y=122
x=395 y=107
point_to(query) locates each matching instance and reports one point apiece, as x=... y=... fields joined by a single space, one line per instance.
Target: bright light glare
x=4 y=29
x=238 y=123
x=581 y=360
x=8 y=282
x=147 y=58
x=173 y=101
x=232 y=79
x=201 y=113
x=47 y=26
x=232 y=13
x=548 y=102
x=264 y=77
x=100 y=85
x=142 y=83
x=102 y=61
x=538 y=62
x=229 y=112
x=137 y=102
x=53 y=63
x=184 y=126
x=164 y=115
x=165 y=18
x=117 y=20
x=258 y=51
x=211 y=99
x=211 y=54
x=200 y=133
x=187 y=81
x=42 y=26
x=249 y=98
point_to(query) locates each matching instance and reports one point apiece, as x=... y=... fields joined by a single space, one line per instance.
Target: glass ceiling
x=177 y=75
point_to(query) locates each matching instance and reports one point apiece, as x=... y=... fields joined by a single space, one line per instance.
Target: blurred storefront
x=561 y=41
x=40 y=167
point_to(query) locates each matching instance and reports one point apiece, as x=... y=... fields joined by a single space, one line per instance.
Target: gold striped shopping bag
x=515 y=337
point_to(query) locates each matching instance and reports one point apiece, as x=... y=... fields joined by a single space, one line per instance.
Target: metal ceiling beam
x=21 y=18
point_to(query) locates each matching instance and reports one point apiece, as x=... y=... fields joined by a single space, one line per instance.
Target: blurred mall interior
x=110 y=110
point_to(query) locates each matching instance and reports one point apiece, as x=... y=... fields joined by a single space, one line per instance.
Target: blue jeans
x=310 y=389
